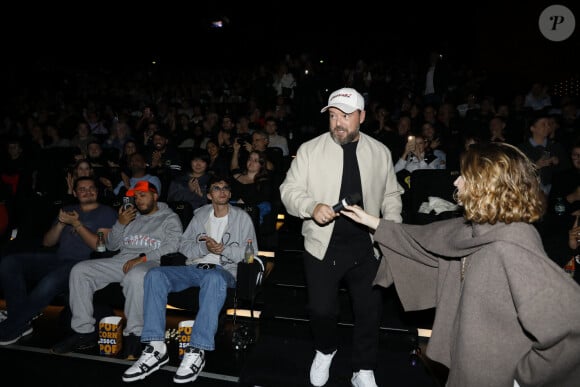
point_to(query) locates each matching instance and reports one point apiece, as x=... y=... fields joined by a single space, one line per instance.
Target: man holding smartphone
x=142 y=234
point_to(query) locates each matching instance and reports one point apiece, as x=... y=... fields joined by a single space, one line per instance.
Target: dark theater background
x=501 y=38
x=129 y=55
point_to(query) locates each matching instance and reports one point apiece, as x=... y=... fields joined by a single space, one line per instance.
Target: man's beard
x=350 y=137
x=147 y=210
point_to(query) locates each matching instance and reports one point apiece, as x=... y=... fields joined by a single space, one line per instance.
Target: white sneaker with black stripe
x=191 y=365
x=149 y=362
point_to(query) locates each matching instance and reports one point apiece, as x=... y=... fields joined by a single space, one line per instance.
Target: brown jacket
x=515 y=314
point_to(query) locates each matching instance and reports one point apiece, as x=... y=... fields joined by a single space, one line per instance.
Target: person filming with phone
x=142 y=235
x=417 y=155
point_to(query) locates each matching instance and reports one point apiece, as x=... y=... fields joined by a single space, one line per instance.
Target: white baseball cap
x=346 y=99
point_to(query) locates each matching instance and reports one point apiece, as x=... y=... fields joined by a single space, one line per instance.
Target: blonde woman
x=506 y=314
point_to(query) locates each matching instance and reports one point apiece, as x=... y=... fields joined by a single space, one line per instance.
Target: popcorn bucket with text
x=184 y=335
x=110 y=335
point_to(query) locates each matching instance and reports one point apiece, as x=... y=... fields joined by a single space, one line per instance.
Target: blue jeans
x=17 y=272
x=160 y=281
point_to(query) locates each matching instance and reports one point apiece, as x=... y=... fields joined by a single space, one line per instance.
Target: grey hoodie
x=155 y=235
x=238 y=230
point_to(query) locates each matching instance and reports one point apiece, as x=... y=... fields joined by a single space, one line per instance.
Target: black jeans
x=49 y=276
x=323 y=280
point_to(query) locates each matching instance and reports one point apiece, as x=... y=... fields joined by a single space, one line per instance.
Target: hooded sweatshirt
x=154 y=235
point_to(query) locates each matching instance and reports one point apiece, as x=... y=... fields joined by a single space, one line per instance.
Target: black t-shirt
x=350 y=238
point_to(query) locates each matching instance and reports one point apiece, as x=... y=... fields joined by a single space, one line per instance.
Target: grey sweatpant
x=87 y=277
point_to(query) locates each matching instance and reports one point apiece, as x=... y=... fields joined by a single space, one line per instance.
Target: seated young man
x=74 y=231
x=142 y=234
x=213 y=243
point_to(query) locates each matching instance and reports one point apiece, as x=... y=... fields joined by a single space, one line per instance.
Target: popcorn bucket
x=184 y=335
x=110 y=335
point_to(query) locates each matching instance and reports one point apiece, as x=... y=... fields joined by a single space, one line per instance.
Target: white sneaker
x=149 y=362
x=363 y=378
x=320 y=368
x=191 y=365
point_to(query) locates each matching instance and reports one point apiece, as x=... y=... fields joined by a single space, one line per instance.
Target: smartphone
x=128 y=202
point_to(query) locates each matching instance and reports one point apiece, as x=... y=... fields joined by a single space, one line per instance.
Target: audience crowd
x=80 y=144
x=176 y=127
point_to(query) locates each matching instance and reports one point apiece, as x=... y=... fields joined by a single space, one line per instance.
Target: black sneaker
x=7 y=339
x=149 y=362
x=76 y=342
x=132 y=347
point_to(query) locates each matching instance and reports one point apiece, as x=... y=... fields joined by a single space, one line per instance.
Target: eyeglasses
x=225 y=188
x=84 y=190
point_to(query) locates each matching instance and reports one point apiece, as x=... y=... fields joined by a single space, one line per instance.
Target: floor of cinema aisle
x=89 y=368
x=283 y=352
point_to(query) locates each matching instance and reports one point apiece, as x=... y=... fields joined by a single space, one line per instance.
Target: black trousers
x=323 y=279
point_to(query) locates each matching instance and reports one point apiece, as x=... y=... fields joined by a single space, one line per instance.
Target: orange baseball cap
x=143 y=186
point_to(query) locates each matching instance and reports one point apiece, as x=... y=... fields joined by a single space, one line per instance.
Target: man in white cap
x=342 y=165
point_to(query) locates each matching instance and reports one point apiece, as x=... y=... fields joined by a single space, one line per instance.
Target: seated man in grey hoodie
x=142 y=234
x=213 y=243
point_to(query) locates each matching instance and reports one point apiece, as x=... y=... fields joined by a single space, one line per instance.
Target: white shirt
x=215 y=230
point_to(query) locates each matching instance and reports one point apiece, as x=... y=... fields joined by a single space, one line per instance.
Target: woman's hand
x=360 y=216
x=70 y=183
x=236 y=146
x=194 y=186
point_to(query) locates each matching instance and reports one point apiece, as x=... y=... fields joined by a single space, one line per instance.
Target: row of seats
x=249 y=277
x=111 y=297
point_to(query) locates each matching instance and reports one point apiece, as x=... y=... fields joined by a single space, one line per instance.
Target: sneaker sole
x=190 y=378
x=12 y=341
x=144 y=375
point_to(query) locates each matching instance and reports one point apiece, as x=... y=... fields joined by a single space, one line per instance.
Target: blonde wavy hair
x=501 y=185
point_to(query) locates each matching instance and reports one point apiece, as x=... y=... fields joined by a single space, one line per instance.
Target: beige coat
x=315 y=176
x=515 y=314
